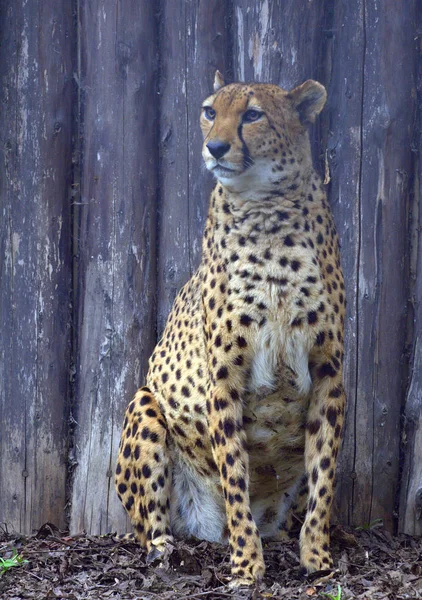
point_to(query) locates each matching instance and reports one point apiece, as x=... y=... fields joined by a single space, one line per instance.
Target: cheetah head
x=255 y=135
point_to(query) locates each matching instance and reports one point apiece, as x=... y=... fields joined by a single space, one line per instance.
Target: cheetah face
x=256 y=134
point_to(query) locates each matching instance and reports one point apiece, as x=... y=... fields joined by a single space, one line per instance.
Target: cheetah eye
x=209 y=113
x=252 y=115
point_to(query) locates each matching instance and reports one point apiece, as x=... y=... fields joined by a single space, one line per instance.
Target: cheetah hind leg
x=290 y=527
x=143 y=476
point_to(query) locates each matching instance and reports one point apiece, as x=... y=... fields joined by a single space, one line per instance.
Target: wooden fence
x=103 y=198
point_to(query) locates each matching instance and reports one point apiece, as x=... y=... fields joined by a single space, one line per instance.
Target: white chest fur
x=277 y=342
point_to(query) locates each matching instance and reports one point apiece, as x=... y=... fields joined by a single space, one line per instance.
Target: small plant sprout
x=7 y=563
x=331 y=596
x=372 y=525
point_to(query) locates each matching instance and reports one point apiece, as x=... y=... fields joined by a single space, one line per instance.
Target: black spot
x=295 y=265
x=283 y=261
x=245 y=320
x=230 y=459
x=151 y=413
x=228 y=427
x=320 y=338
x=185 y=391
x=288 y=241
x=126 y=451
x=222 y=373
x=325 y=463
x=122 y=488
x=332 y=416
x=320 y=238
x=129 y=503
x=327 y=370
x=146 y=471
x=241 y=342
x=200 y=427
x=313 y=426
x=312 y=317
x=234 y=394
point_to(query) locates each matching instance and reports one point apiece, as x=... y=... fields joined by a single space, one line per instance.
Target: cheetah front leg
x=143 y=475
x=323 y=438
x=229 y=363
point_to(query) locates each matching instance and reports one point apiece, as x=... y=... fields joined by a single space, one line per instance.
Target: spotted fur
x=241 y=420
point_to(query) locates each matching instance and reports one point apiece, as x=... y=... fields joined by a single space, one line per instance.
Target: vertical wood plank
x=344 y=145
x=410 y=509
x=194 y=42
x=386 y=167
x=280 y=42
x=116 y=242
x=35 y=278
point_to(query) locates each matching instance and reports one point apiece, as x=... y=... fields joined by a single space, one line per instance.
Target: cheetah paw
x=160 y=549
x=315 y=565
x=249 y=576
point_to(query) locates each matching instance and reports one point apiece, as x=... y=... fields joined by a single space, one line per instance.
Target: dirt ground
x=370 y=565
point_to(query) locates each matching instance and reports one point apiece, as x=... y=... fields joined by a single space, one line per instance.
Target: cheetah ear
x=308 y=99
x=218 y=81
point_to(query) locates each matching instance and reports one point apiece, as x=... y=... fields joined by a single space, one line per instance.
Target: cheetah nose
x=218 y=148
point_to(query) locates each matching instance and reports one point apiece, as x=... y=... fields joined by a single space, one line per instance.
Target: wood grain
x=116 y=243
x=35 y=278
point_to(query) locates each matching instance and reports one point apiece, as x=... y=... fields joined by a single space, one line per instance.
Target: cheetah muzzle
x=237 y=433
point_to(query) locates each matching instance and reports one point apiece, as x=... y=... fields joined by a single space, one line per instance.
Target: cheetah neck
x=256 y=215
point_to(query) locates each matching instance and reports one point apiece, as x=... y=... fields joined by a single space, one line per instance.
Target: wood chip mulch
x=370 y=565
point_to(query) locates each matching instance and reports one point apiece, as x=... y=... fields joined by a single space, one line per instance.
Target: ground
x=371 y=565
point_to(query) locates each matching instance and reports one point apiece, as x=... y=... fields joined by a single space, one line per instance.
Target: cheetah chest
x=275 y=346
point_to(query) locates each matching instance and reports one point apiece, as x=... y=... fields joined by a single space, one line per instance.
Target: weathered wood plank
x=344 y=110
x=386 y=160
x=410 y=508
x=194 y=41
x=116 y=242
x=35 y=279
x=279 y=42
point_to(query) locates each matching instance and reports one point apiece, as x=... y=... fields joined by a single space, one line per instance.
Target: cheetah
x=240 y=422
